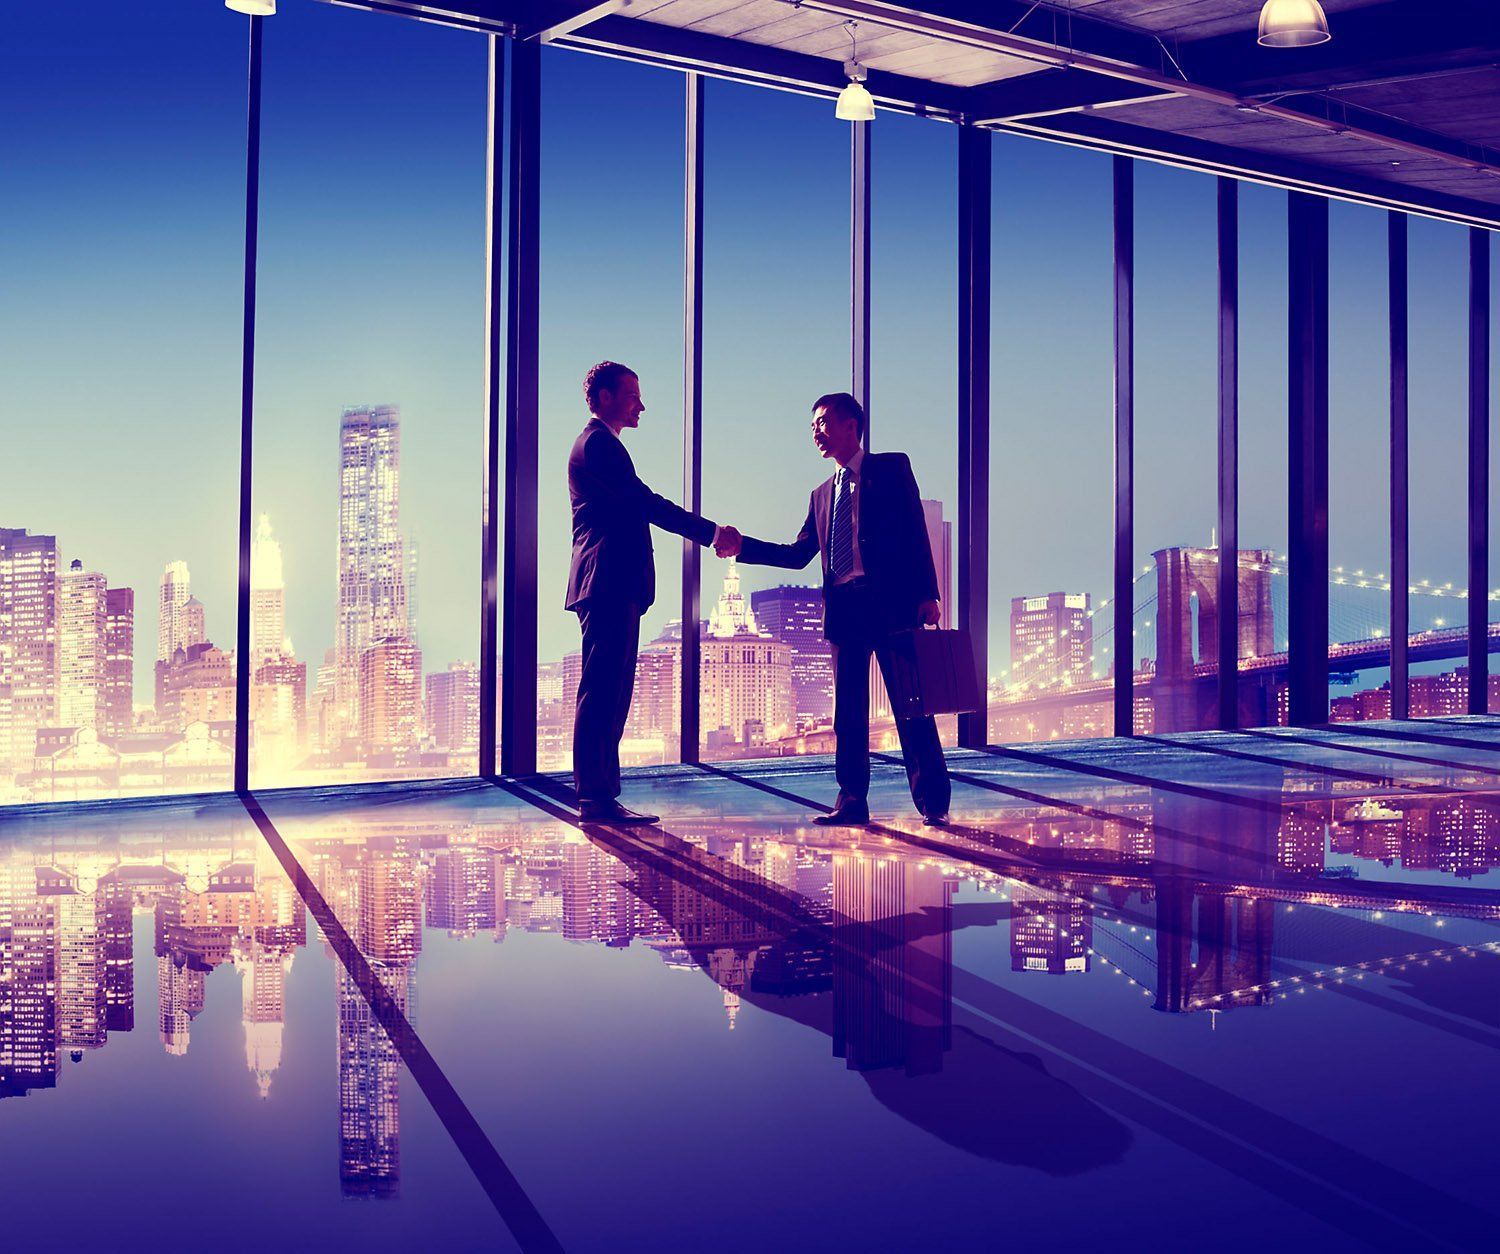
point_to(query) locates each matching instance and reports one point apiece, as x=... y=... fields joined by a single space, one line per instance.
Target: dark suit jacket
x=613 y=512
x=893 y=544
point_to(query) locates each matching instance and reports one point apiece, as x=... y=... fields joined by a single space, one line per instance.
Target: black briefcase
x=933 y=672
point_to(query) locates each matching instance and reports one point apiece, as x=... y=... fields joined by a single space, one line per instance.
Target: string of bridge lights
x=1339 y=577
x=1321 y=981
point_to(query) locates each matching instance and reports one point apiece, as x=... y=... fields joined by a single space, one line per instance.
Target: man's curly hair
x=605 y=377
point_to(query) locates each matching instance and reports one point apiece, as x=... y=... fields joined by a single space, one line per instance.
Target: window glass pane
x=1493 y=590
x=369 y=400
x=1176 y=448
x=121 y=243
x=776 y=337
x=611 y=239
x=1263 y=449
x=914 y=339
x=1359 y=476
x=1051 y=443
x=1439 y=459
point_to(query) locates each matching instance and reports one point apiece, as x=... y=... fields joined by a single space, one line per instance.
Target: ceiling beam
x=1053 y=91
x=681 y=49
x=494 y=17
x=1102 y=132
x=578 y=13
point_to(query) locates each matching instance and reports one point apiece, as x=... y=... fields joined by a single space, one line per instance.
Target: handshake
x=727 y=542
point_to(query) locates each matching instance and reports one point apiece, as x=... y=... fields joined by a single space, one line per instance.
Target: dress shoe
x=611 y=812
x=850 y=814
x=935 y=820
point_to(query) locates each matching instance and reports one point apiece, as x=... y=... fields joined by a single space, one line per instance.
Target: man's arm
x=613 y=478
x=793 y=556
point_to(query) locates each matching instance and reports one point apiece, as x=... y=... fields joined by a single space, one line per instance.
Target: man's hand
x=930 y=613
x=727 y=542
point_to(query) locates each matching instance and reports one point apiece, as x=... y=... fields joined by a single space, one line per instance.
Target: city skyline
x=375 y=707
x=1052 y=266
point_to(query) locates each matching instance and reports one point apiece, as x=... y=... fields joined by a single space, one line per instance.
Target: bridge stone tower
x=1184 y=639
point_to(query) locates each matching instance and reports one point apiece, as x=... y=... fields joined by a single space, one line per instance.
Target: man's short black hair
x=843 y=403
x=605 y=377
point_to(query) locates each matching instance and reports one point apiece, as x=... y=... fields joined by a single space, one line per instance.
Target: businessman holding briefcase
x=878 y=581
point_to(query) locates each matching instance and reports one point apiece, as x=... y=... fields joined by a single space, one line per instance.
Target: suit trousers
x=611 y=639
x=863 y=635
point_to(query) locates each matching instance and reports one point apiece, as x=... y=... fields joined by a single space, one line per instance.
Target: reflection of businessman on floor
x=878 y=578
x=612 y=581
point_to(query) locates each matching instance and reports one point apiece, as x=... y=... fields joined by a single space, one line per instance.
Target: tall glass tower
x=372 y=565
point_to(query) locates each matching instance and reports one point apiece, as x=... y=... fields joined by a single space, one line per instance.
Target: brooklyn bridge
x=1176 y=615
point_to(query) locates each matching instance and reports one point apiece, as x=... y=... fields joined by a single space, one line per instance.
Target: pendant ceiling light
x=255 y=8
x=1293 y=24
x=855 y=104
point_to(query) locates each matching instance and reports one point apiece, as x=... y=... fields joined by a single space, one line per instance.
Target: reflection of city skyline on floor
x=849 y=935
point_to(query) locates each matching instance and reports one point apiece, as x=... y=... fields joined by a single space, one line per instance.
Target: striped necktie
x=841 y=546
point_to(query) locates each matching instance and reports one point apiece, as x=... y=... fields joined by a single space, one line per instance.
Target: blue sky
x=121 y=236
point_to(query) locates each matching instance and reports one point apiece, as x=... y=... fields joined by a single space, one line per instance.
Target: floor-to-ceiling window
x=1052 y=645
x=369 y=400
x=612 y=288
x=776 y=337
x=1439 y=468
x=1493 y=590
x=1263 y=454
x=121 y=237
x=1176 y=448
x=914 y=343
x=1359 y=478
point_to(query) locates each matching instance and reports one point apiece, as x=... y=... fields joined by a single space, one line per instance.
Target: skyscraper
x=657 y=701
x=462 y=895
x=453 y=706
x=794 y=616
x=192 y=624
x=80 y=971
x=390 y=695
x=371 y=555
x=176 y=590
x=116 y=923
x=179 y=997
x=119 y=661
x=81 y=647
x=28 y=959
x=267 y=598
x=1051 y=639
x=893 y=963
x=369 y=1089
x=28 y=643
x=263 y=971
x=1049 y=931
x=746 y=675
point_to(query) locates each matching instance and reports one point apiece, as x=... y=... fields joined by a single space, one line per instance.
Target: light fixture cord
x=853 y=43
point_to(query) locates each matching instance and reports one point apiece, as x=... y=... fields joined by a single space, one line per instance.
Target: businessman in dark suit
x=612 y=581
x=878 y=578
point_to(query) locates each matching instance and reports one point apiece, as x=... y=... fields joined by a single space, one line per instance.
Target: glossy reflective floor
x=1229 y=991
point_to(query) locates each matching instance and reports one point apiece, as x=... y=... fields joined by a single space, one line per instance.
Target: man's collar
x=855 y=462
x=594 y=418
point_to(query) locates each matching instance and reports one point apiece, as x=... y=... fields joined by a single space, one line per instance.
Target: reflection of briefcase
x=933 y=672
